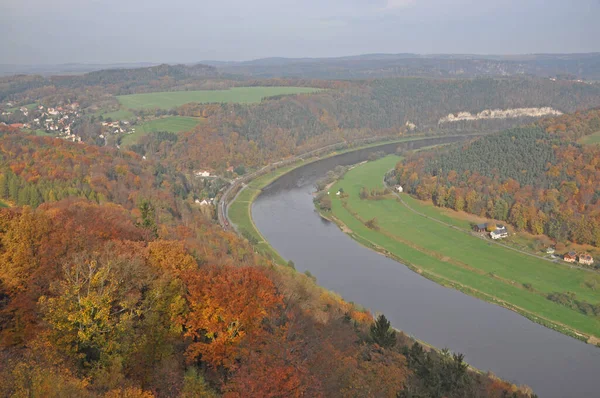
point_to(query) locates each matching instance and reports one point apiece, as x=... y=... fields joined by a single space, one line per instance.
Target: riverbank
x=454 y=259
x=239 y=209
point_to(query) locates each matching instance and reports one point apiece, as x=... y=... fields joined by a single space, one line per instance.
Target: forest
x=112 y=285
x=538 y=178
x=276 y=128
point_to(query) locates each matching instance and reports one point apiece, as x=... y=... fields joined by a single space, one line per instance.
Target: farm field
x=172 y=124
x=591 y=139
x=460 y=260
x=172 y=99
x=121 y=114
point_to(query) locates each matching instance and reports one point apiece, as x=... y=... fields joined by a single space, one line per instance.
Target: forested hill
x=521 y=154
x=437 y=65
x=538 y=178
x=279 y=127
x=137 y=76
x=114 y=284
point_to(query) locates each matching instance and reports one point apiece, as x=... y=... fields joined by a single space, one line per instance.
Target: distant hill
x=65 y=69
x=571 y=66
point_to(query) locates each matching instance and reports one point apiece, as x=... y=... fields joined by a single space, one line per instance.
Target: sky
x=115 y=31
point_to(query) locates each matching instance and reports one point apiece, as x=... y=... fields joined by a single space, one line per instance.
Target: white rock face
x=500 y=114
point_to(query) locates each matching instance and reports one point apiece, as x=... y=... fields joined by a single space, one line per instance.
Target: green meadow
x=590 y=139
x=458 y=259
x=172 y=124
x=121 y=114
x=172 y=99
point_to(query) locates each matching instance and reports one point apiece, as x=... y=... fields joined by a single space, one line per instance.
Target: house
x=230 y=169
x=586 y=259
x=499 y=233
x=399 y=189
x=550 y=250
x=480 y=227
x=202 y=173
x=570 y=257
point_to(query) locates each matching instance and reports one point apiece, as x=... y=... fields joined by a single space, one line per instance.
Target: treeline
x=536 y=178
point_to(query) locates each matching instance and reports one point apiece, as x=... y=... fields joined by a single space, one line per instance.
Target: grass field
x=172 y=124
x=42 y=133
x=121 y=114
x=172 y=99
x=3 y=205
x=461 y=260
x=590 y=139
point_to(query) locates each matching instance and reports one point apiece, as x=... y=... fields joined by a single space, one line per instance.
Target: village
x=57 y=121
x=61 y=121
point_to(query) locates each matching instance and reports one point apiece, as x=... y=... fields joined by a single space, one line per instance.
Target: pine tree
x=382 y=332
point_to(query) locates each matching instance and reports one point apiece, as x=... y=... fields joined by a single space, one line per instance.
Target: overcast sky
x=111 y=31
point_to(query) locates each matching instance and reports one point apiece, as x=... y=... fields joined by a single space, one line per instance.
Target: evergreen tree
x=382 y=332
x=148 y=218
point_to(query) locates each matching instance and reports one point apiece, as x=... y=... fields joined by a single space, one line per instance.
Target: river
x=491 y=337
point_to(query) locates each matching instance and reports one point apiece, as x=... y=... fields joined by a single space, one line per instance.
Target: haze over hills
x=580 y=66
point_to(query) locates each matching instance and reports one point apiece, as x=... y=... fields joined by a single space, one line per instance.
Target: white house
x=499 y=233
x=399 y=189
x=202 y=173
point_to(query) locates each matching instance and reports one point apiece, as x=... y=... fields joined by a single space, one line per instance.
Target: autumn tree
x=93 y=308
x=226 y=307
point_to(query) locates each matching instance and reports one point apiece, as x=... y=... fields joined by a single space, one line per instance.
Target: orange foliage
x=227 y=307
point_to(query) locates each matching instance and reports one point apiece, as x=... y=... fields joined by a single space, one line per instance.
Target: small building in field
x=499 y=233
x=399 y=189
x=550 y=250
x=480 y=227
x=570 y=257
x=586 y=259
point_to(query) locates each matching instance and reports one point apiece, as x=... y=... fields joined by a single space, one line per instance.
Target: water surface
x=491 y=337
